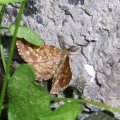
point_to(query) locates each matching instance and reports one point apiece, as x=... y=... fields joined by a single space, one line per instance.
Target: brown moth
x=49 y=62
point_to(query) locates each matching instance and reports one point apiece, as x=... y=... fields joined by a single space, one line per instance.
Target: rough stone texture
x=94 y=26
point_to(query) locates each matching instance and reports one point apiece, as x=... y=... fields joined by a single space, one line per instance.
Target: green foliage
x=27 y=101
x=28 y=34
x=10 y=1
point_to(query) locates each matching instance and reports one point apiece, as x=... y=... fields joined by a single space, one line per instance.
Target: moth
x=49 y=62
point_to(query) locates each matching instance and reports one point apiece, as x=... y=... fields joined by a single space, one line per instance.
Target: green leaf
x=10 y=1
x=27 y=101
x=28 y=34
x=69 y=111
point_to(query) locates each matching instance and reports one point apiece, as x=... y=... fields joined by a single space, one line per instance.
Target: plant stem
x=12 y=46
x=2 y=54
x=2 y=13
x=1 y=46
x=83 y=101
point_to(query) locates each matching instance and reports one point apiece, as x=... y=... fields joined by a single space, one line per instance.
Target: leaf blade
x=25 y=97
x=28 y=34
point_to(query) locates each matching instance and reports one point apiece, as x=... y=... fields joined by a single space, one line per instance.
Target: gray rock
x=93 y=26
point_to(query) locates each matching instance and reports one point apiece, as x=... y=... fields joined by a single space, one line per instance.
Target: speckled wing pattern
x=62 y=76
x=49 y=62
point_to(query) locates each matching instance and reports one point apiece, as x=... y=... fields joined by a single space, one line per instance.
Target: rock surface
x=93 y=26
